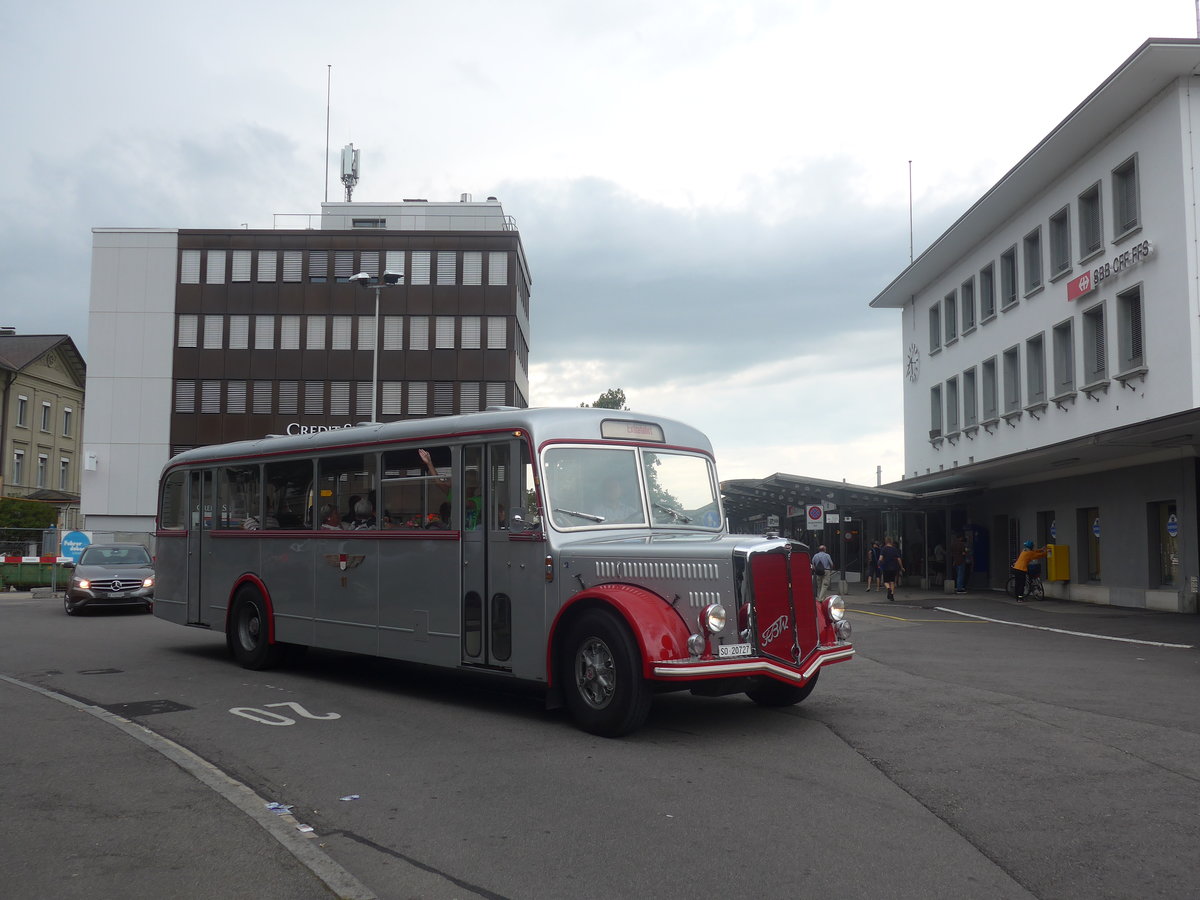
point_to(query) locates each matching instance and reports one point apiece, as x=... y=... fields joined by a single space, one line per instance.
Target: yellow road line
x=905 y=619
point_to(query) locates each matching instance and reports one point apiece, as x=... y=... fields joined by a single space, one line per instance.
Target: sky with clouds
x=709 y=193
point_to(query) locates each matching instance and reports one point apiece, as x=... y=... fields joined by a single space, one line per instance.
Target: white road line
x=1099 y=637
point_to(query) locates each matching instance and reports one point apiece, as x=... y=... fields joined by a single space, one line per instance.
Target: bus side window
x=417 y=488
x=346 y=496
x=239 y=493
x=498 y=489
x=289 y=492
x=171 y=515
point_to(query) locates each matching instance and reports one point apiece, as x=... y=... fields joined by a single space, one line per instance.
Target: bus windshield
x=589 y=487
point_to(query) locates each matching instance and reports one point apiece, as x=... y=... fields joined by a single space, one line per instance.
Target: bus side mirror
x=517 y=521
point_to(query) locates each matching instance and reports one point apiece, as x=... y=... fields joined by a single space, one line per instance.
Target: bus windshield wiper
x=589 y=516
x=674 y=514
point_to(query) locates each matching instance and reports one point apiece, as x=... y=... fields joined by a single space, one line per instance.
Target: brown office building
x=227 y=334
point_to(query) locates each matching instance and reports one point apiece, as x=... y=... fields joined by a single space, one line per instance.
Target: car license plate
x=728 y=650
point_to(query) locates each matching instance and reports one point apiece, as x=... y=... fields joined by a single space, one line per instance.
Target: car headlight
x=149 y=582
x=713 y=618
x=83 y=584
x=836 y=606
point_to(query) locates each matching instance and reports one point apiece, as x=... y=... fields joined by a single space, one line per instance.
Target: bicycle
x=1034 y=589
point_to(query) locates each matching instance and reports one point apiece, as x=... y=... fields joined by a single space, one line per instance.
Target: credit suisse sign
x=1089 y=281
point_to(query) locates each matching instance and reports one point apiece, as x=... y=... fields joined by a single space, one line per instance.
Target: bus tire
x=248 y=630
x=601 y=676
x=769 y=692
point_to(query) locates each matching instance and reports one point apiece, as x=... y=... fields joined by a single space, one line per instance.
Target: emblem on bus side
x=343 y=561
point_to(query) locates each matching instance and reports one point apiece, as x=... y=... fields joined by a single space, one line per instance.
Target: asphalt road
x=953 y=757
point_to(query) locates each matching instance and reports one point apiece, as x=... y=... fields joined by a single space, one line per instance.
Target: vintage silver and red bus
x=581 y=549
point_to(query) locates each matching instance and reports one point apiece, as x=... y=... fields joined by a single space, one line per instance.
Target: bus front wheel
x=247 y=637
x=602 y=678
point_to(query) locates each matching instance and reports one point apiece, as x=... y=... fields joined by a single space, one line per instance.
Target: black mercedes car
x=110 y=575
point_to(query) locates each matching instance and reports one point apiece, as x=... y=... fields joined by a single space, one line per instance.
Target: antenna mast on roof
x=349 y=169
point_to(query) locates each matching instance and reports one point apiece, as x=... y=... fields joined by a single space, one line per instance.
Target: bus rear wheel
x=602 y=678
x=247 y=635
x=769 y=692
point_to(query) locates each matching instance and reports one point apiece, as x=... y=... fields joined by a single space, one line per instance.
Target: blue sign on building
x=74 y=542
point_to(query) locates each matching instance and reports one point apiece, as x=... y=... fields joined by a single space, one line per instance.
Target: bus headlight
x=836 y=606
x=696 y=644
x=713 y=618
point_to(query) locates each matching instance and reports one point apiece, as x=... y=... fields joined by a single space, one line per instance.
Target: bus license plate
x=727 y=650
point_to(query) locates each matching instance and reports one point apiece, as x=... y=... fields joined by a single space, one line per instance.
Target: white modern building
x=202 y=336
x=1052 y=347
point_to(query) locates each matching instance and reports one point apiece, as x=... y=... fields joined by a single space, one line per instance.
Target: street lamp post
x=390 y=279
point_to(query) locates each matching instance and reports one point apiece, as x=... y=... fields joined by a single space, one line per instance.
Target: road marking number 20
x=265 y=717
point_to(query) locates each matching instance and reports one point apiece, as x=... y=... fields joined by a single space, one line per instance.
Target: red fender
x=659 y=629
x=264 y=593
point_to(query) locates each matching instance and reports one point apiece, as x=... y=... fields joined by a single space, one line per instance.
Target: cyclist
x=1020 y=569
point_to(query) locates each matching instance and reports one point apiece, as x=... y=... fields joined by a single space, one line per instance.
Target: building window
x=18 y=470
x=241 y=265
x=340 y=339
x=987 y=292
x=64 y=474
x=991 y=409
x=214 y=272
x=418 y=334
x=343 y=266
x=46 y=416
x=1032 y=247
x=262 y=397
x=1125 y=196
x=43 y=465
x=1095 y=362
x=1060 y=242
x=472 y=267
x=264 y=333
x=22 y=411
x=498 y=267
x=289 y=333
x=289 y=398
x=368 y=261
x=318 y=266
x=210 y=397
x=392 y=398
x=362 y=406
x=1012 y=380
x=366 y=333
x=314 y=334
x=185 y=396
x=67 y=421
x=497 y=333
x=214 y=332
x=368 y=223
x=393 y=261
x=935 y=411
x=418 y=398
x=293 y=265
x=1064 y=358
x=314 y=398
x=189 y=329
x=443 y=398
x=966 y=305
x=1035 y=369
x=935 y=328
x=1165 y=550
x=393 y=332
x=235 y=397
x=420 y=268
x=496 y=393
x=239 y=332
x=1008 y=277
x=1129 y=330
x=267 y=265
x=1091 y=231
x=950 y=316
x=443 y=335
x=1088 y=526
x=339 y=398
x=471 y=332
x=951 y=405
x=446 y=269
x=469 y=396
x=970 y=399
x=189 y=267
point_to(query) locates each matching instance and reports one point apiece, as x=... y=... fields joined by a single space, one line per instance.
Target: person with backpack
x=822 y=566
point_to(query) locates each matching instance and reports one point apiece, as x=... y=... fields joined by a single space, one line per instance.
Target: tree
x=613 y=398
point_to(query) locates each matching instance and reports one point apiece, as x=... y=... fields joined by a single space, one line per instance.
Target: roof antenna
x=349 y=169
x=328 y=86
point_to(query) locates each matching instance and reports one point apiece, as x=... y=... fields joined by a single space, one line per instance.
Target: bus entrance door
x=198 y=540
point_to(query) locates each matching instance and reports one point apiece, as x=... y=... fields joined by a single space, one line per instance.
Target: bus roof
x=544 y=424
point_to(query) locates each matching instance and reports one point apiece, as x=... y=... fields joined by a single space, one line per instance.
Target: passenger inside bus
x=331 y=519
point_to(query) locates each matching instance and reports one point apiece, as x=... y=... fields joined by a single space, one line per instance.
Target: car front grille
x=117 y=584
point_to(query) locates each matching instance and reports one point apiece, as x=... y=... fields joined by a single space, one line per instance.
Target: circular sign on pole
x=1096 y=526
x=1172 y=525
x=74 y=542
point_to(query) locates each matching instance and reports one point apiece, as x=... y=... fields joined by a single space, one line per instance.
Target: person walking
x=873 y=567
x=822 y=566
x=1020 y=569
x=959 y=555
x=891 y=565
